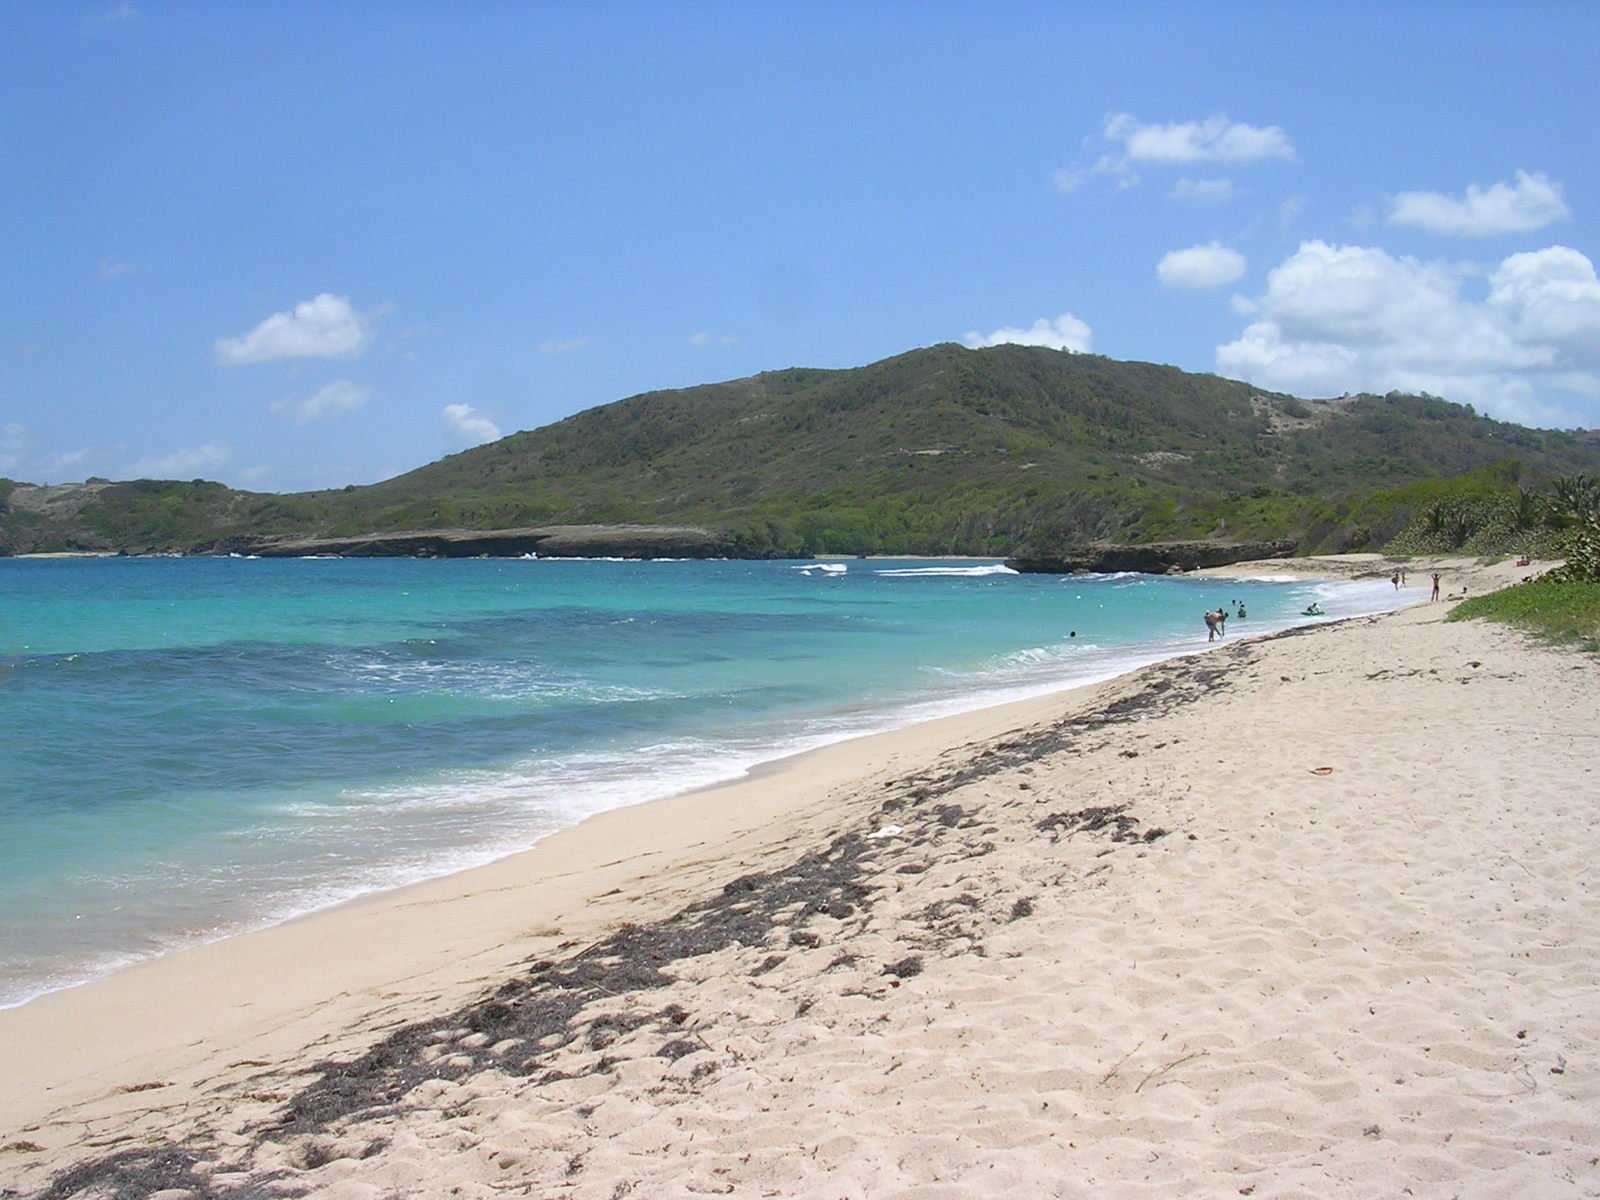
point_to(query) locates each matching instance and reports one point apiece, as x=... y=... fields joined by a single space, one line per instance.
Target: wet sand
x=1312 y=914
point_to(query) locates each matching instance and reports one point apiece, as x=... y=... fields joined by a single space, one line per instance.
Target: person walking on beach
x=1435 y=595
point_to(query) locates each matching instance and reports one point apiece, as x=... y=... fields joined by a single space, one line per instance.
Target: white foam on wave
x=418 y=678
x=467 y=818
x=1112 y=576
x=948 y=572
x=1063 y=653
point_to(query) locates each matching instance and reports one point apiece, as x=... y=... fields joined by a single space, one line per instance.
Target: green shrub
x=1561 y=610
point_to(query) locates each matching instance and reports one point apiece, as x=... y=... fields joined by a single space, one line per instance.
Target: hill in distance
x=943 y=450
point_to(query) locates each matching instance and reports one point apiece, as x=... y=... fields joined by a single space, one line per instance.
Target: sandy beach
x=1304 y=915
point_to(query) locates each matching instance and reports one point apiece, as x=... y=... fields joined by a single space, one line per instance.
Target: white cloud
x=340 y=396
x=470 y=425
x=1216 y=139
x=14 y=444
x=1551 y=296
x=1205 y=191
x=254 y=474
x=1068 y=179
x=1208 y=266
x=181 y=464
x=19 y=446
x=110 y=15
x=66 y=458
x=1532 y=202
x=562 y=345
x=1066 y=332
x=1354 y=318
x=326 y=326
x=706 y=338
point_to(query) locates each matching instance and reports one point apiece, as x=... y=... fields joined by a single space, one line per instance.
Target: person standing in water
x=1215 y=624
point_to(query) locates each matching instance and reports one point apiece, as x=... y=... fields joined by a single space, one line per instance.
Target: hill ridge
x=942 y=449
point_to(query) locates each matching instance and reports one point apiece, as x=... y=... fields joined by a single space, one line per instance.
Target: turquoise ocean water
x=194 y=747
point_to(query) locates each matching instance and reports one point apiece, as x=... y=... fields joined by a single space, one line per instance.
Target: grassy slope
x=1561 y=612
x=943 y=449
x=948 y=448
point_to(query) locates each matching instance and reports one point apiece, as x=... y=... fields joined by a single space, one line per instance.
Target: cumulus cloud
x=1208 y=266
x=1552 y=297
x=1354 y=318
x=340 y=396
x=469 y=424
x=1216 y=139
x=1066 y=332
x=326 y=326
x=1205 y=191
x=1178 y=143
x=181 y=464
x=1532 y=202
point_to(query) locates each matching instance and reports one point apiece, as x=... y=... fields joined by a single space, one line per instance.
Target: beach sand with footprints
x=1310 y=914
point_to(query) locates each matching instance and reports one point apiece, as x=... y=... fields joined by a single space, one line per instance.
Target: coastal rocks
x=553 y=541
x=1155 y=558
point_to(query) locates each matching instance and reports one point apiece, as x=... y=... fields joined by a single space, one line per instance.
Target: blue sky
x=303 y=245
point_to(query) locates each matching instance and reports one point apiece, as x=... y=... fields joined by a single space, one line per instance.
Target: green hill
x=941 y=450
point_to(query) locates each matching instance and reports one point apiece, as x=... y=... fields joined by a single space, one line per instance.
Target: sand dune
x=1312 y=915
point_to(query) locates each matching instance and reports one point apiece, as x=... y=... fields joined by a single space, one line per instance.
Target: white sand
x=1363 y=960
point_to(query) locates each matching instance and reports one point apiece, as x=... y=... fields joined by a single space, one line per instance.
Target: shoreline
x=888 y=720
x=119 y=1054
x=630 y=843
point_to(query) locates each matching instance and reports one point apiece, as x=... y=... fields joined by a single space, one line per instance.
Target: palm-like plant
x=1573 y=498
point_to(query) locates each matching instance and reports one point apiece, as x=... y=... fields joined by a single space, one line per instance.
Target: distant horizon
x=296 y=248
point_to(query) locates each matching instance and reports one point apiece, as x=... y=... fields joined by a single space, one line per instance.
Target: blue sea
x=196 y=747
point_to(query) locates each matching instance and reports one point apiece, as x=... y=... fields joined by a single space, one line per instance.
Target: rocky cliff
x=1158 y=558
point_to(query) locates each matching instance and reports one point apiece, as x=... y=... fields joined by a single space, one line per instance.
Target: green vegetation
x=1486 y=512
x=1010 y=449
x=1564 y=604
x=1560 y=611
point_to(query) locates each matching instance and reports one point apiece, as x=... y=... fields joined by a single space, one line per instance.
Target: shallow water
x=199 y=746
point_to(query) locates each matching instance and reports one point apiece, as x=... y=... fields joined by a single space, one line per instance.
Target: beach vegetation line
x=1563 y=611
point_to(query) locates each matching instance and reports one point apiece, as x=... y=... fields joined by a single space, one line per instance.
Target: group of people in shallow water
x=1217 y=622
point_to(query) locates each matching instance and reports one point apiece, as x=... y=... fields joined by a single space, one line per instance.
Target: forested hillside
x=941 y=450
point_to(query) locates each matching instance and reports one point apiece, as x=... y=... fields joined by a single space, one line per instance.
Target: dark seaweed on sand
x=530 y=1017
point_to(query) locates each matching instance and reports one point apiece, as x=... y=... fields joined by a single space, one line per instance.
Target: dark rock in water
x=1156 y=558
